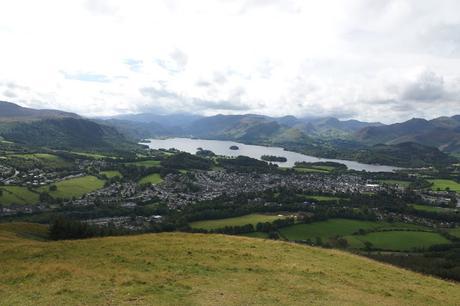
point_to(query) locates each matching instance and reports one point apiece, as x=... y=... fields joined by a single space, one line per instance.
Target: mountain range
x=236 y=127
x=442 y=133
x=416 y=142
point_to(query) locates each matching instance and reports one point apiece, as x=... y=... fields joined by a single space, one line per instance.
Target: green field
x=310 y=170
x=38 y=156
x=335 y=227
x=431 y=208
x=443 y=184
x=111 y=173
x=237 y=221
x=17 y=195
x=75 y=187
x=46 y=159
x=314 y=169
x=145 y=163
x=154 y=178
x=396 y=182
x=397 y=240
x=198 y=269
x=322 y=198
x=455 y=232
x=92 y=155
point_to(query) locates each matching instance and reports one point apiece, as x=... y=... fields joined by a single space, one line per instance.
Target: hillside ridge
x=202 y=269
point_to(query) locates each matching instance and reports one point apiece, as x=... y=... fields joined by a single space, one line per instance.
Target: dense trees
x=184 y=160
x=440 y=260
x=272 y=158
x=245 y=164
x=62 y=228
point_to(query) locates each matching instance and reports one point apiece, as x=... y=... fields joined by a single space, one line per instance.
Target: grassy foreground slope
x=198 y=269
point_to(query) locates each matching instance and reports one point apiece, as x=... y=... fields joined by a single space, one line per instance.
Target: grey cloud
x=180 y=58
x=9 y=94
x=12 y=90
x=157 y=93
x=12 y=85
x=220 y=78
x=428 y=87
x=202 y=83
x=317 y=110
x=191 y=104
x=176 y=62
x=221 y=105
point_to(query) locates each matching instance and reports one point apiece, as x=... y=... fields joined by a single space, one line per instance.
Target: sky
x=379 y=60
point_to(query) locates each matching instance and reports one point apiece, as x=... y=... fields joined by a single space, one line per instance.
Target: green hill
x=442 y=133
x=58 y=130
x=10 y=112
x=198 y=269
x=407 y=154
x=65 y=133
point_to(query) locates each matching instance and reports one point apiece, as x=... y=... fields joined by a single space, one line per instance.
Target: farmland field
x=75 y=187
x=310 y=170
x=111 y=173
x=431 y=208
x=154 y=178
x=48 y=160
x=145 y=163
x=38 y=155
x=397 y=240
x=396 y=182
x=334 y=227
x=93 y=155
x=443 y=184
x=236 y=221
x=322 y=198
x=17 y=195
x=455 y=232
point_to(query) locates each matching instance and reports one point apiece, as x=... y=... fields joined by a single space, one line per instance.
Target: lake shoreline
x=222 y=147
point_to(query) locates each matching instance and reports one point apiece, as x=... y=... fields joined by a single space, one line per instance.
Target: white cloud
x=373 y=60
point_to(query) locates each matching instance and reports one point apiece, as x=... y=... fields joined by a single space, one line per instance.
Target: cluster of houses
x=32 y=178
x=439 y=198
x=6 y=174
x=179 y=190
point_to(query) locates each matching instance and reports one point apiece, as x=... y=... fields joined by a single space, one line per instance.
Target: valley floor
x=197 y=269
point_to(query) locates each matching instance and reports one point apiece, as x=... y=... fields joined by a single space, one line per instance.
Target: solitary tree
x=368 y=246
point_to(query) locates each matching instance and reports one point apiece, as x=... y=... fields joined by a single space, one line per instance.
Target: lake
x=222 y=147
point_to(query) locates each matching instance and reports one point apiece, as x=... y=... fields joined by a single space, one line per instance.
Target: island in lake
x=273 y=158
x=234 y=148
